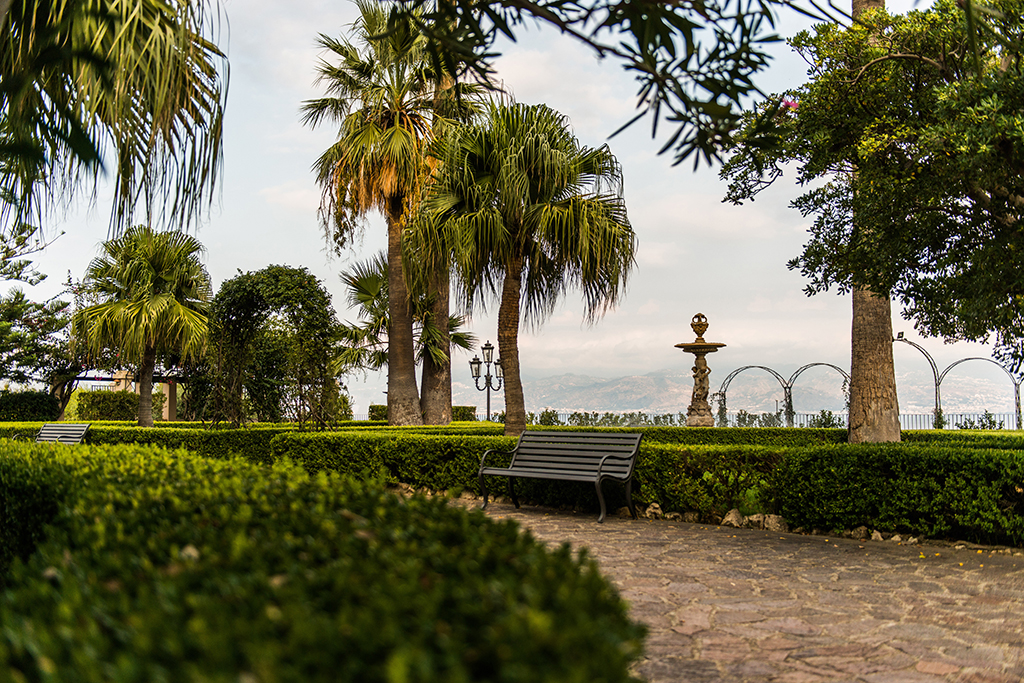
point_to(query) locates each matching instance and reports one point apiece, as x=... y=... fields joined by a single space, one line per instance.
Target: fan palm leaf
x=138 y=81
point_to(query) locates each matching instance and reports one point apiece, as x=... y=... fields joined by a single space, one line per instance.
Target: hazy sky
x=696 y=254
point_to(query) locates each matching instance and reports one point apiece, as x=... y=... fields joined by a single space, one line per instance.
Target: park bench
x=569 y=456
x=61 y=432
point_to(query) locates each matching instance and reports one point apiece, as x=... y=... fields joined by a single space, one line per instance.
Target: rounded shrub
x=161 y=565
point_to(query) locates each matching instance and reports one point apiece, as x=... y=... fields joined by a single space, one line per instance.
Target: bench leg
x=600 y=499
x=629 y=498
x=483 y=492
x=512 y=493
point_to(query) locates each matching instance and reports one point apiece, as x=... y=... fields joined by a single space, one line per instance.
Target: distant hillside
x=753 y=390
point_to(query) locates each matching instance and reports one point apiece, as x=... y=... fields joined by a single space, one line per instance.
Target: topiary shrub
x=28 y=406
x=163 y=566
x=378 y=413
x=463 y=413
x=108 y=405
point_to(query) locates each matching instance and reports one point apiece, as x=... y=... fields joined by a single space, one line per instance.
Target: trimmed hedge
x=252 y=444
x=108 y=405
x=936 y=491
x=160 y=565
x=463 y=413
x=708 y=479
x=28 y=406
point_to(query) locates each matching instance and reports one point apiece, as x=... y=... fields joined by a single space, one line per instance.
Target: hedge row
x=161 y=566
x=253 y=444
x=707 y=479
x=925 y=489
x=18 y=406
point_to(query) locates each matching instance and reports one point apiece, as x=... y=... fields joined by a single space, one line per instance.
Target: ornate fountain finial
x=699 y=326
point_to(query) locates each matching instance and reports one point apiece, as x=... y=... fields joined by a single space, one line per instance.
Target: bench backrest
x=580 y=451
x=62 y=432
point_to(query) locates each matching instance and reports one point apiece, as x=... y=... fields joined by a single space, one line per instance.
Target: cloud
x=294 y=194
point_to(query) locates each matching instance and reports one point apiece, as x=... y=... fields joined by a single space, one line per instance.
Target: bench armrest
x=613 y=456
x=494 y=450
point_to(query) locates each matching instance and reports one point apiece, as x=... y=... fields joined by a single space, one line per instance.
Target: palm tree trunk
x=403 y=397
x=508 y=348
x=874 y=408
x=146 y=386
x=436 y=393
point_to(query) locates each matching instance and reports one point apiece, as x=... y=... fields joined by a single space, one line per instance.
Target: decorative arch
x=239 y=312
x=786 y=384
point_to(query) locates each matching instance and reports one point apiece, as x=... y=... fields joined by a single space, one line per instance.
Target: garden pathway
x=748 y=606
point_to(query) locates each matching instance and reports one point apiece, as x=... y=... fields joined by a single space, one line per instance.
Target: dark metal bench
x=569 y=456
x=61 y=432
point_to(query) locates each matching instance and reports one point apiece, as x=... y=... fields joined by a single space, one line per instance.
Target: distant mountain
x=753 y=390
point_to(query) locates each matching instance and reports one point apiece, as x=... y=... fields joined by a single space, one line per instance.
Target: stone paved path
x=746 y=606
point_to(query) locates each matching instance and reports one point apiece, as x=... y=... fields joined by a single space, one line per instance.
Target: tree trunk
x=146 y=386
x=874 y=408
x=403 y=397
x=508 y=348
x=436 y=393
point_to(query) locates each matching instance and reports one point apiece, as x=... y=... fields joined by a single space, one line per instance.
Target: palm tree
x=136 y=77
x=365 y=345
x=382 y=98
x=153 y=294
x=388 y=100
x=529 y=213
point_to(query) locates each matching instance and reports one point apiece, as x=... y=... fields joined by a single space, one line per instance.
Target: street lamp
x=475 y=367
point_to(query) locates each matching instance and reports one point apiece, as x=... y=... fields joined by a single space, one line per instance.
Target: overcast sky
x=696 y=254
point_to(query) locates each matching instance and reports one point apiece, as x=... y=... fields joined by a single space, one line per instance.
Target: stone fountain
x=699 y=412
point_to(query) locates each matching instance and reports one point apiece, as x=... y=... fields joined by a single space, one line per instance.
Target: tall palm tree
x=153 y=294
x=138 y=78
x=388 y=100
x=380 y=94
x=529 y=213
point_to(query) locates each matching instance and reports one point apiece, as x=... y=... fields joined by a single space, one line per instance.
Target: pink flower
x=790 y=104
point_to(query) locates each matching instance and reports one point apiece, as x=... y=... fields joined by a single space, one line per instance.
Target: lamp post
x=475 y=367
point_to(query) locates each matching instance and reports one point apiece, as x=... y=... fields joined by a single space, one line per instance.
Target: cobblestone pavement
x=749 y=606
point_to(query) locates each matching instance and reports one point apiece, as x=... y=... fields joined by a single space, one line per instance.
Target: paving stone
x=746 y=606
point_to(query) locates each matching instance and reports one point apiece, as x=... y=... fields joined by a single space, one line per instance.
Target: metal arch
x=799 y=372
x=787 y=387
x=732 y=375
x=790 y=412
x=1016 y=382
x=935 y=375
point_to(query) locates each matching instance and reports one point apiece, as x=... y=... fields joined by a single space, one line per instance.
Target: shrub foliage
x=28 y=406
x=158 y=565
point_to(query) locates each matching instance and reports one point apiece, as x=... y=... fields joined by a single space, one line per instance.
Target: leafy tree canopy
x=694 y=61
x=901 y=127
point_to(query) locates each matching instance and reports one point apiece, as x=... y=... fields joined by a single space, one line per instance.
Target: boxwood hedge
x=155 y=565
x=933 y=490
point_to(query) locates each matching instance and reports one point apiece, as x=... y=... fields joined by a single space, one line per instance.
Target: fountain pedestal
x=699 y=412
